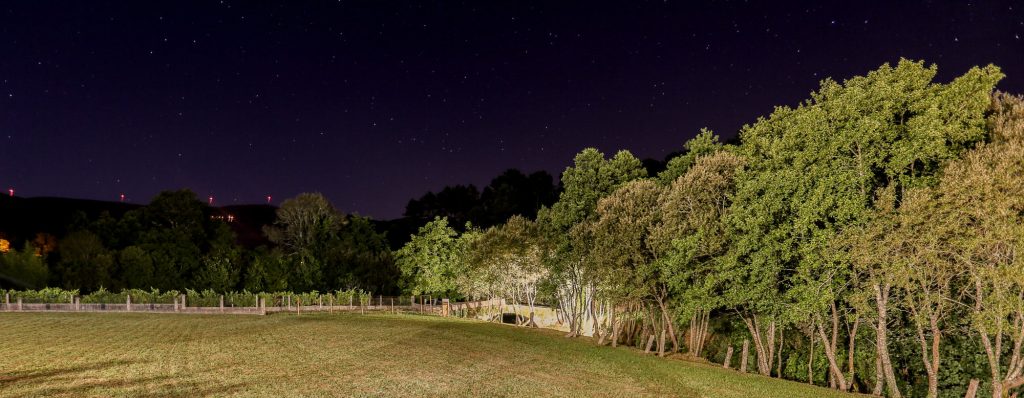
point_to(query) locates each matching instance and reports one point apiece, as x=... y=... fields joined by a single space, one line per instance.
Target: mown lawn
x=338 y=355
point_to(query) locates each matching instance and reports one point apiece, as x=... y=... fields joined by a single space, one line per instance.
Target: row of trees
x=175 y=242
x=876 y=224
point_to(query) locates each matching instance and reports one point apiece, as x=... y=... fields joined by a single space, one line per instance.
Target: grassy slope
x=338 y=355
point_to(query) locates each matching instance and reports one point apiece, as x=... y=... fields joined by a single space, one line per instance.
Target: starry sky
x=376 y=102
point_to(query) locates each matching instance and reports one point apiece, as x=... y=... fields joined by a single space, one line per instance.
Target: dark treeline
x=178 y=242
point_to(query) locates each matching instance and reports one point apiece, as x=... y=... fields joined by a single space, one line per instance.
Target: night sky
x=376 y=102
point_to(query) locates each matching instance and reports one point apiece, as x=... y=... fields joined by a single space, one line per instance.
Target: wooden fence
x=285 y=303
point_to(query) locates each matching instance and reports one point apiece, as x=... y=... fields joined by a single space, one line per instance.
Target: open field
x=71 y=354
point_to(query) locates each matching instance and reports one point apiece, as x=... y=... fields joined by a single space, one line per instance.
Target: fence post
x=184 y=302
x=320 y=298
x=728 y=357
x=262 y=302
x=222 y=303
x=175 y=304
x=289 y=301
x=330 y=303
x=7 y=301
x=350 y=295
x=128 y=303
x=392 y=306
x=20 y=308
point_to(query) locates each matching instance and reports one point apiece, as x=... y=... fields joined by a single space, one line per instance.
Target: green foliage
x=222 y=264
x=591 y=178
x=23 y=269
x=139 y=296
x=45 y=295
x=304 y=224
x=429 y=261
x=175 y=233
x=704 y=144
x=136 y=267
x=267 y=271
x=84 y=262
x=361 y=258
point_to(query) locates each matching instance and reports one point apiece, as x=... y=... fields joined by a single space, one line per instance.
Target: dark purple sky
x=376 y=102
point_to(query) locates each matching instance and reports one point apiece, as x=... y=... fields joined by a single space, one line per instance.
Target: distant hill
x=22 y=218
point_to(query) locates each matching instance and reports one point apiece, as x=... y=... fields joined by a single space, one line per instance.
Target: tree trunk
x=616 y=327
x=743 y=356
x=778 y=364
x=929 y=352
x=698 y=332
x=810 y=359
x=830 y=354
x=972 y=389
x=849 y=359
x=882 y=338
x=661 y=341
x=765 y=352
x=728 y=358
x=835 y=375
x=879 y=376
x=667 y=319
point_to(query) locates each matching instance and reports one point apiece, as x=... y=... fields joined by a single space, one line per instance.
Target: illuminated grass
x=337 y=355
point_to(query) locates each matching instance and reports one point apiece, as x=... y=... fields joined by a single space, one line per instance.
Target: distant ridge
x=22 y=218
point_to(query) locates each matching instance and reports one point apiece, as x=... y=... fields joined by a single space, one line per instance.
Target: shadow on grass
x=66 y=382
x=153 y=387
x=61 y=382
x=28 y=376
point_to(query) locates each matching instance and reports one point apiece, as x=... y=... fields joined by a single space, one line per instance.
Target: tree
x=814 y=170
x=222 y=264
x=305 y=227
x=692 y=236
x=565 y=224
x=514 y=194
x=622 y=233
x=361 y=258
x=304 y=223
x=985 y=194
x=458 y=203
x=84 y=263
x=705 y=143
x=175 y=232
x=429 y=261
x=267 y=271
x=22 y=269
x=136 y=268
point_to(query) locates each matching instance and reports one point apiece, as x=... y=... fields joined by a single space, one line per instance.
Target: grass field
x=338 y=355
